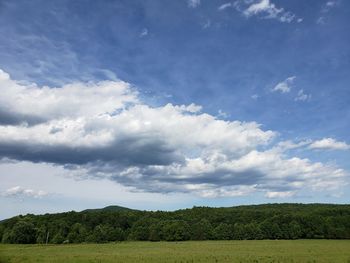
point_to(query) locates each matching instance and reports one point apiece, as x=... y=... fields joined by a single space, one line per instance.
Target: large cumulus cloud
x=104 y=130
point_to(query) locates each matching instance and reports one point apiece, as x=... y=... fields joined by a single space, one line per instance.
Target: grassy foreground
x=190 y=251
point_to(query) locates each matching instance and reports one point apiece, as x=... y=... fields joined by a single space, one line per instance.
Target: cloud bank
x=104 y=130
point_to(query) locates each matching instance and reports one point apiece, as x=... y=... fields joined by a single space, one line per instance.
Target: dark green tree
x=117 y=234
x=294 y=230
x=100 y=234
x=58 y=239
x=238 y=231
x=41 y=234
x=176 y=230
x=23 y=232
x=223 y=232
x=155 y=232
x=140 y=230
x=202 y=230
x=77 y=233
x=7 y=236
x=252 y=231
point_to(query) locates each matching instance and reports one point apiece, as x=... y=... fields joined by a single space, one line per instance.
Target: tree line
x=270 y=221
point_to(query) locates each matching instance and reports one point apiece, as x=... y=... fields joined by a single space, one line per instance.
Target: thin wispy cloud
x=301 y=96
x=21 y=193
x=144 y=32
x=193 y=3
x=321 y=20
x=321 y=144
x=255 y=96
x=284 y=86
x=225 y=6
x=329 y=5
x=222 y=114
x=207 y=24
x=329 y=144
x=325 y=10
x=265 y=9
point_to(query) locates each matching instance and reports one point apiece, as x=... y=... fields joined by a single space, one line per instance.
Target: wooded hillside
x=270 y=221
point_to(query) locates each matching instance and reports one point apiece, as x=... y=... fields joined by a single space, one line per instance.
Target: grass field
x=202 y=251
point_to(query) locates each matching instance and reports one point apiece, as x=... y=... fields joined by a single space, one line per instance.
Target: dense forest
x=270 y=221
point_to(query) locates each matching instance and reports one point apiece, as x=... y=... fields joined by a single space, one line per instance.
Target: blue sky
x=282 y=65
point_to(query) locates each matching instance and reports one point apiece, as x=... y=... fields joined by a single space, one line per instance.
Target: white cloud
x=211 y=191
x=326 y=8
x=222 y=114
x=289 y=145
x=302 y=96
x=266 y=8
x=329 y=5
x=192 y=108
x=284 y=86
x=321 y=20
x=224 y=6
x=325 y=144
x=279 y=194
x=20 y=192
x=262 y=6
x=193 y=3
x=144 y=32
x=329 y=144
x=103 y=130
x=255 y=96
x=207 y=24
x=30 y=103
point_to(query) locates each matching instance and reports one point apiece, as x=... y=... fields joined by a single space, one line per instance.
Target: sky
x=173 y=104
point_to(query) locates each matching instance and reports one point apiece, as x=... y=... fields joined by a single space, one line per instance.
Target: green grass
x=191 y=251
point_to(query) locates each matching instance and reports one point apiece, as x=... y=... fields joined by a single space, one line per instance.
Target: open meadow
x=189 y=251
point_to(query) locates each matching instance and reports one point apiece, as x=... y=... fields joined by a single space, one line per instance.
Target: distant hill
x=117 y=223
x=109 y=208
